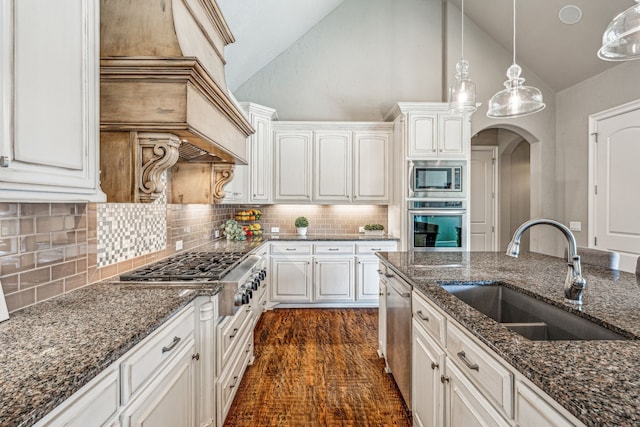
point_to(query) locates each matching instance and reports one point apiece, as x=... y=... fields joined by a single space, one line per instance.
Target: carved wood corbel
x=223 y=174
x=156 y=153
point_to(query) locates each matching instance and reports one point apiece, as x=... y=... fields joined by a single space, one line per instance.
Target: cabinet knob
x=434 y=365
x=4 y=162
x=444 y=379
x=196 y=356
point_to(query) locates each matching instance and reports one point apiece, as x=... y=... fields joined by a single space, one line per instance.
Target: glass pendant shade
x=621 y=39
x=462 y=92
x=515 y=100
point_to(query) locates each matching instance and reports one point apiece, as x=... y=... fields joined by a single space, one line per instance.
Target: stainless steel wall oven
x=437 y=225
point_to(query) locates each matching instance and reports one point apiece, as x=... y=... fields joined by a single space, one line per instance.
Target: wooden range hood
x=164 y=95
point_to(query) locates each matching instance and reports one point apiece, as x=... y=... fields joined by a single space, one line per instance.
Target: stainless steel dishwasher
x=399 y=334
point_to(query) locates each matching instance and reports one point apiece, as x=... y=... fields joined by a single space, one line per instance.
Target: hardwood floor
x=317 y=367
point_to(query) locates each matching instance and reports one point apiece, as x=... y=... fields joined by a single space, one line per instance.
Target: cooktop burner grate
x=188 y=266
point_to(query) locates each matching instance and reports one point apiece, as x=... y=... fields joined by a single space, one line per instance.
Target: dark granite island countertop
x=50 y=350
x=597 y=381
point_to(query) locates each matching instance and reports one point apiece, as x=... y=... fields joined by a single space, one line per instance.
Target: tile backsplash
x=47 y=249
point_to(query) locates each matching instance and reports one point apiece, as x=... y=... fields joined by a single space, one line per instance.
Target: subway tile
x=9 y=246
x=108 y=271
x=93 y=275
x=27 y=226
x=10 y=283
x=8 y=210
x=75 y=282
x=49 y=290
x=49 y=224
x=82 y=265
x=9 y=227
x=50 y=256
x=66 y=269
x=35 y=277
x=35 y=209
x=21 y=299
x=17 y=263
x=124 y=266
x=63 y=238
x=75 y=251
x=63 y=209
x=43 y=241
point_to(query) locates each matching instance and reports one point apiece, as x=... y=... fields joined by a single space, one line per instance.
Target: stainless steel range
x=239 y=273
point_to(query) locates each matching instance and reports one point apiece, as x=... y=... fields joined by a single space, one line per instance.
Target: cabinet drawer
x=230 y=380
x=232 y=331
x=373 y=247
x=533 y=409
x=146 y=359
x=429 y=318
x=290 y=248
x=338 y=248
x=482 y=369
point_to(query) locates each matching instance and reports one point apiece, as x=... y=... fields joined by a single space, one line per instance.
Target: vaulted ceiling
x=561 y=54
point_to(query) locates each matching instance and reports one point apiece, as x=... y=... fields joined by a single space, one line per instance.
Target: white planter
x=374 y=232
x=302 y=231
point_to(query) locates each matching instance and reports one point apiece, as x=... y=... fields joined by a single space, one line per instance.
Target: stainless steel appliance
x=239 y=273
x=436 y=179
x=437 y=225
x=399 y=334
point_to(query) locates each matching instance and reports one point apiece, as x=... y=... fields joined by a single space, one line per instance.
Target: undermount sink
x=530 y=317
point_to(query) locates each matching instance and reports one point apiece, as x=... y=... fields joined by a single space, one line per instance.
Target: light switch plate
x=216 y=233
x=275 y=229
x=361 y=229
x=178 y=245
x=575 y=225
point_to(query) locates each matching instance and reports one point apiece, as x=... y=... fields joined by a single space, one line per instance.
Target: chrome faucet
x=574 y=283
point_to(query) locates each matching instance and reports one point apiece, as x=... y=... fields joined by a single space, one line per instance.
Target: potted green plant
x=374 y=229
x=301 y=225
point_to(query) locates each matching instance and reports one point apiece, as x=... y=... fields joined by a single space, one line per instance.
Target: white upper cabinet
x=293 y=166
x=49 y=76
x=372 y=176
x=332 y=166
x=431 y=132
x=343 y=162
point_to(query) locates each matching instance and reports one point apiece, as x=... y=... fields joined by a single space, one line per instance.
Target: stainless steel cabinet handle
x=434 y=365
x=248 y=348
x=171 y=346
x=233 y=384
x=376 y=249
x=463 y=357
x=422 y=316
x=444 y=379
x=333 y=249
x=379 y=271
x=290 y=249
x=234 y=333
x=388 y=275
x=402 y=294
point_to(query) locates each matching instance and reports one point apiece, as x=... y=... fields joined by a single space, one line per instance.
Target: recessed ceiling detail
x=570 y=14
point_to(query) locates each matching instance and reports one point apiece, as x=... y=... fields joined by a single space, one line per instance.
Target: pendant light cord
x=462 y=33
x=514 y=31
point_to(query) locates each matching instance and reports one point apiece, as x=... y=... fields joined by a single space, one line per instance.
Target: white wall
x=356 y=63
x=613 y=87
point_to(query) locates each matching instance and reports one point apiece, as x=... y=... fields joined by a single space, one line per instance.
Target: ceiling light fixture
x=621 y=39
x=462 y=92
x=516 y=100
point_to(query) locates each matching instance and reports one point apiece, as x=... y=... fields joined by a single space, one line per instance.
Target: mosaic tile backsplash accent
x=129 y=230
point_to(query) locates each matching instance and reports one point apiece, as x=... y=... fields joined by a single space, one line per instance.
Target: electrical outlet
x=178 y=245
x=575 y=225
x=216 y=233
x=361 y=229
x=275 y=229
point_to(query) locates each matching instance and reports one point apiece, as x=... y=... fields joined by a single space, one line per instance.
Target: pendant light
x=621 y=39
x=462 y=92
x=515 y=100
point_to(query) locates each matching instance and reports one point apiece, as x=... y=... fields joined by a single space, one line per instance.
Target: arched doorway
x=514 y=188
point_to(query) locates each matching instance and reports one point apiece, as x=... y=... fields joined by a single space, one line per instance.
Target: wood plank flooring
x=317 y=367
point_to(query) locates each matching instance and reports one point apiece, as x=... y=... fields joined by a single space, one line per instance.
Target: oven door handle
x=437 y=211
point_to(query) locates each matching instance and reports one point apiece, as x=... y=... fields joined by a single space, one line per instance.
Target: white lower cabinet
x=344 y=273
x=333 y=279
x=169 y=400
x=382 y=314
x=458 y=382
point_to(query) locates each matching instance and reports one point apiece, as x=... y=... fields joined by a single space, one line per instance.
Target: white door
x=482 y=200
x=332 y=168
x=293 y=166
x=368 y=279
x=616 y=201
x=291 y=279
x=371 y=162
x=334 y=279
x=427 y=389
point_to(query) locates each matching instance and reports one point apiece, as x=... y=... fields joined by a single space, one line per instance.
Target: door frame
x=496 y=187
x=593 y=164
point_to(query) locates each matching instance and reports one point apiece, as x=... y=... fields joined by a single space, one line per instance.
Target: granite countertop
x=50 y=350
x=597 y=381
x=319 y=237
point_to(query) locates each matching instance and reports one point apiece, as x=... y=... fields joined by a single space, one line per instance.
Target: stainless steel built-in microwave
x=435 y=179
